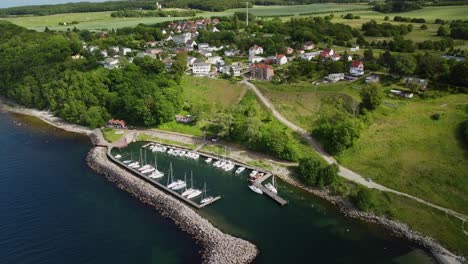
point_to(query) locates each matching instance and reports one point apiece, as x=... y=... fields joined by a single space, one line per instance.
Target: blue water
x=54 y=209
x=11 y=3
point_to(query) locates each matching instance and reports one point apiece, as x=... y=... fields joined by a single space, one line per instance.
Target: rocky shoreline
x=217 y=247
x=396 y=228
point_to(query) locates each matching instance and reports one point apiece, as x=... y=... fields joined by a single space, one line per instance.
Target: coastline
x=441 y=254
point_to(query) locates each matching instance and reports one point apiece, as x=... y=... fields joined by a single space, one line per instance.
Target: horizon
x=7 y=4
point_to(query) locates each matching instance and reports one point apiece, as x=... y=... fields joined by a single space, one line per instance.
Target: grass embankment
x=406 y=150
x=112 y=135
x=203 y=97
x=300 y=103
x=146 y=137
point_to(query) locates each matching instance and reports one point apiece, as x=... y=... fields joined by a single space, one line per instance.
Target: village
x=205 y=60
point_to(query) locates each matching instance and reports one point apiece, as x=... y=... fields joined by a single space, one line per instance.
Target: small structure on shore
x=185 y=119
x=116 y=123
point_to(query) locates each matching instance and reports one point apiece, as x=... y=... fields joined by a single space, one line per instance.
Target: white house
x=335 y=57
x=235 y=69
x=190 y=43
x=164 y=32
x=201 y=68
x=214 y=60
x=334 y=77
x=327 y=53
x=202 y=46
x=309 y=45
x=281 y=59
x=111 y=63
x=168 y=38
x=206 y=53
x=357 y=68
x=308 y=56
x=125 y=51
x=231 y=53
x=115 y=49
x=356 y=48
x=214 y=29
x=255 y=50
x=181 y=39
x=256 y=59
x=104 y=53
x=191 y=61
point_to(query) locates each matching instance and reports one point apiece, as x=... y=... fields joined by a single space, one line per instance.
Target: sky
x=11 y=3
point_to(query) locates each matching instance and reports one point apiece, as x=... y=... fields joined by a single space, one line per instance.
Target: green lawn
x=111 y=134
x=406 y=150
x=146 y=137
x=301 y=102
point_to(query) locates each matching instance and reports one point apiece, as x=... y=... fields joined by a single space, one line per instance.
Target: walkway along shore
x=399 y=229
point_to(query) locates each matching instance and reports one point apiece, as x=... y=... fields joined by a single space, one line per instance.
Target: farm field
x=405 y=149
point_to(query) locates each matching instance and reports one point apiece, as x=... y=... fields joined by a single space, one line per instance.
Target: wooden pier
x=267 y=192
x=158 y=184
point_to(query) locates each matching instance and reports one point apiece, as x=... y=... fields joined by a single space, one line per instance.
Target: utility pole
x=247 y=13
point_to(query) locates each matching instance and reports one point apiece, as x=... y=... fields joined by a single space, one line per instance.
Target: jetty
x=258 y=183
x=158 y=184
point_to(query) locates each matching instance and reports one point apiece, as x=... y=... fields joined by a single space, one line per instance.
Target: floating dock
x=267 y=192
x=158 y=184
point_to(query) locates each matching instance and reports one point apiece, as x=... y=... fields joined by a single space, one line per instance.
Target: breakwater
x=218 y=247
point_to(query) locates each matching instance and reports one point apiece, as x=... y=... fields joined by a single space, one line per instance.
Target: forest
x=37 y=71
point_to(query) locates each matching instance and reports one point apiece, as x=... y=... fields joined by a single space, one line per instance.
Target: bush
x=314 y=172
x=436 y=116
x=364 y=199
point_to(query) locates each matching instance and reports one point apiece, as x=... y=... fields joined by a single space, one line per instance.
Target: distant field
x=100 y=20
x=406 y=150
x=300 y=103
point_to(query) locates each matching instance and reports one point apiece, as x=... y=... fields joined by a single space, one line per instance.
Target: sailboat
x=208 y=160
x=156 y=173
x=180 y=184
x=206 y=199
x=170 y=180
x=191 y=190
x=255 y=189
x=272 y=185
x=240 y=170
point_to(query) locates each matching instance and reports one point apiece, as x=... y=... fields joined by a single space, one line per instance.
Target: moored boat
x=255 y=189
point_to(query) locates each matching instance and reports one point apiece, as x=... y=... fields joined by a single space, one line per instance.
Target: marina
x=256 y=175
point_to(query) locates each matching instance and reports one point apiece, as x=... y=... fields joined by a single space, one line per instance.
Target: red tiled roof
x=355 y=63
x=261 y=66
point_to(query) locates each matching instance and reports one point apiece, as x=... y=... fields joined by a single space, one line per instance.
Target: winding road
x=343 y=172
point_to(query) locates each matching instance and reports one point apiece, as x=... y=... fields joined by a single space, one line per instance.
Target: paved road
x=344 y=172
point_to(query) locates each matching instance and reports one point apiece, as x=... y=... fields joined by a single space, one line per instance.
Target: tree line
x=157 y=13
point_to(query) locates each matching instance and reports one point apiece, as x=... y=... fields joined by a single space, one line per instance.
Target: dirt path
x=344 y=172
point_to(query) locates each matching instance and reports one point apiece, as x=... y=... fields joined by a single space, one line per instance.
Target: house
x=372 y=79
x=184 y=119
x=191 y=60
x=181 y=39
x=300 y=51
x=334 y=77
x=190 y=44
x=356 y=48
x=231 y=53
x=422 y=83
x=151 y=44
x=115 y=49
x=201 y=68
x=235 y=69
x=357 y=68
x=202 y=46
x=153 y=51
x=214 y=29
x=111 y=63
x=215 y=60
x=261 y=71
x=206 y=53
x=309 y=45
x=327 y=53
x=255 y=50
x=116 y=123
x=168 y=38
x=125 y=51
x=335 y=57
x=281 y=59
x=403 y=94
x=256 y=59
x=104 y=54
x=308 y=56
x=288 y=50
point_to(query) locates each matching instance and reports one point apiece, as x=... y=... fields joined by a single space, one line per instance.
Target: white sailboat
x=253 y=173
x=179 y=184
x=240 y=170
x=118 y=156
x=272 y=185
x=208 y=160
x=206 y=199
x=156 y=173
x=255 y=189
x=188 y=191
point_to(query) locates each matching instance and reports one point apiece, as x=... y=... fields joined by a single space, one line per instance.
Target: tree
x=364 y=199
x=371 y=96
x=403 y=64
x=316 y=173
x=442 y=31
x=369 y=55
x=458 y=73
x=423 y=27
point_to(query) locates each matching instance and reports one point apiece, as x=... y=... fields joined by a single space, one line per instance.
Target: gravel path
x=344 y=172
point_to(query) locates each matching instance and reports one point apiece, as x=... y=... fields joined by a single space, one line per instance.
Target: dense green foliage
x=373 y=29
x=315 y=172
x=254 y=128
x=371 y=96
x=459 y=29
x=82 y=7
x=364 y=199
x=393 y=6
x=37 y=70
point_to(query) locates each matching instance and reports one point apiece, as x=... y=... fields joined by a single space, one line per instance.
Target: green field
x=204 y=96
x=301 y=102
x=406 y=150
x=111 y=134
x=101 y=20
